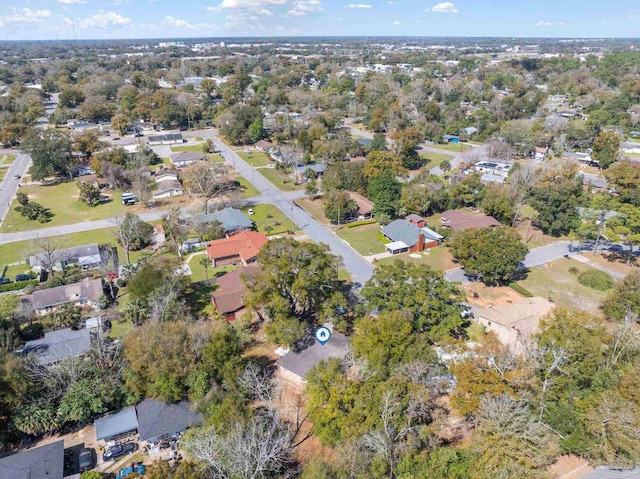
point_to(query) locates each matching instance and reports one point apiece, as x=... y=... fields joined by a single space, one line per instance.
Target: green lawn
x=62 y=200
x=198 y=272
x=3 y=171
x=166 y=163
x=266 y=216
x=364 y=239
x=215 y=158
x=249 y=190
x=315 y=208
x=254 y=158
x=455 y=147
x=281 y=180
x=439 y=259
x=7 y=160
x=554 y=281
x=196 y=148
x=434 y=159
x=14 y=252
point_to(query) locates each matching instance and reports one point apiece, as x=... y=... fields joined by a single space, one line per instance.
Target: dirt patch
x=533 y=237
x=482 y=295
x=611 y=262
x=569 y=467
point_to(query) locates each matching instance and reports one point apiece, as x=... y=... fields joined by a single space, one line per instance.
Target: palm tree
x=205 y=262
x=36 y=418
x=136 y=311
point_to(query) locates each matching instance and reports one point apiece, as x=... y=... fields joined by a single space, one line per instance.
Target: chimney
x=420 y=244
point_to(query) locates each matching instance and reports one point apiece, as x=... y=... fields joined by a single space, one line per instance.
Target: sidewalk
x=593 y=264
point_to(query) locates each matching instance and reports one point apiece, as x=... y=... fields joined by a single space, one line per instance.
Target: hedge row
x=361 y=223
x=519 y=289
x=17 y=285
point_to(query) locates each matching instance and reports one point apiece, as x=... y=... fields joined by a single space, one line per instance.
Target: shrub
x=596 y=279
x=573 y=270
x=519 y=289
x=355 y=224
x=17 y=285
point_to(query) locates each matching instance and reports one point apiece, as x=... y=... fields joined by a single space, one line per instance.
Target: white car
x=251 y=212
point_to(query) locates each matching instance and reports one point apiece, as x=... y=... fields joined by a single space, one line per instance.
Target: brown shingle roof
x=229 y=297
x=459 y=220
x=364 y=205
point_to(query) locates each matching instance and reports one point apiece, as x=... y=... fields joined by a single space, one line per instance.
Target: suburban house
x=365 y=206
x=539 y=153
x=58 y=345
x=86 y=257
x=229 y=297
x=231 y=220
x=241 y=248
x=263 y=146
x=91 y=179
x=185 y=158
x=309 y=171
x=513 y=323
x=158 y=420
x=458 y=220
x=584 y=157
x=118 y=425
x=153 y=420
x=294 y=366
x=405 y=235
x=630 y=147
x=44 y=462
x=470 y=130
x=85 y=292
x=450 y=138
x=166 y=139
x=168 y=185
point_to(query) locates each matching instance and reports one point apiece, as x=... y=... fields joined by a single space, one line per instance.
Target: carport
x=117 y=425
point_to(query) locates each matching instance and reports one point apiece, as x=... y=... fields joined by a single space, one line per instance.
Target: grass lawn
x=555 y=282
x=62 y=200
x=254 y=158
x=249 y=190
x=364 y=239
x=433 y=159
x=166 y=163
x=268 y=217
x=14 y=252
x=7 y=160
x=199 y=138
x=280 y=180
x=215 y=158
x=315 y=208
x=438 y=258
x=196 y=148
x=3 y=171
x=533 y=237
x=198 y=272
x=455 y=147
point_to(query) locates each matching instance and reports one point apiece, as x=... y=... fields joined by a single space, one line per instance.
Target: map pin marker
x=323 y=334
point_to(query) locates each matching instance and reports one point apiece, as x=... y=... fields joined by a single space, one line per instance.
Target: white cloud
x=104 y=20
x=358 y=5
x=396 y=22
x=302 y=7
x=390 y=2
x=542 y=23
x=444 y=7
x=247 y=4
x=561 y=24
x=72 y=1
x=176 y=22
x=25 y=15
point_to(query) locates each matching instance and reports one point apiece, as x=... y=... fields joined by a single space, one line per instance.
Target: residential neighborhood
x=377 y=257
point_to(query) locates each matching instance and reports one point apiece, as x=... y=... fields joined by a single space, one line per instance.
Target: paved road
x=9 y=184
x=359 y=268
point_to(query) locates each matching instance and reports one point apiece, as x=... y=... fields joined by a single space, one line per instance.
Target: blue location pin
x=323 y=335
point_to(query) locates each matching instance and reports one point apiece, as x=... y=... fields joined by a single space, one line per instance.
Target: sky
x=109 y=19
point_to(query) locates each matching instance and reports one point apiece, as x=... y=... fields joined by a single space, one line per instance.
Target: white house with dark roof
x=182 y=159
x=86 y=256
x=84 y=293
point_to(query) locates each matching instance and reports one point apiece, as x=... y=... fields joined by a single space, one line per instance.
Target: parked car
x=5 y=281
x=251 y=212
x=24 y=277
x=135 y=468
x=119 y=450
x=16 y=177
x=86 y=459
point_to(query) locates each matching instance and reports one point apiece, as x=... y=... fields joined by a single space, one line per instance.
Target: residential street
x=9 y=184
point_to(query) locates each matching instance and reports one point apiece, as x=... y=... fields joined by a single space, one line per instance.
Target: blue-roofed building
x=158 y=420
x=232 y=220
x=470 y=130
x=117 y=425
x=407 y=236
x=451 y=138
x=58 y=345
